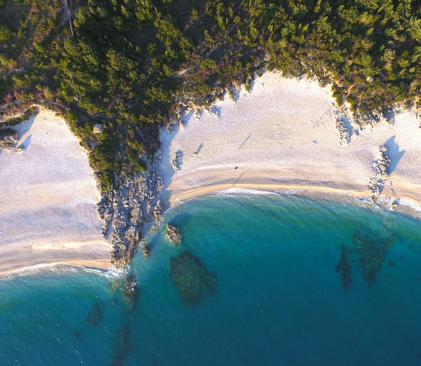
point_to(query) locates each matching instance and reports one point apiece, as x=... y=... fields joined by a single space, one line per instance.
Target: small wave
x=245 y=191
x=408 y=203
x=38 y=268
x=291 y=191
x=58 y=268
x=109 y=273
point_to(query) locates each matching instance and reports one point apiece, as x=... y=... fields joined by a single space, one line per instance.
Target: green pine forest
x=130 y=64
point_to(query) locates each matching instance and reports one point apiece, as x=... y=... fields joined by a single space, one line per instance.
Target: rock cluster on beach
x=380 y=174
x=177 y=162
x=371 y=119
x=343 y=131
x=126 y=210
x=349 y=123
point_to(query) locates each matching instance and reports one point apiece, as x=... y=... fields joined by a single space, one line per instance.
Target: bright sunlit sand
x=48 y=200
x=283 y=136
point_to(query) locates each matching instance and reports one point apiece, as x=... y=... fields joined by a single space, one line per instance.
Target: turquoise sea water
x=279 y=297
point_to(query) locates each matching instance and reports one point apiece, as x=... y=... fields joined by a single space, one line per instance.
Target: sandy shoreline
x=284 y=136
x=48 y=199
x=26 y=268
x=207 y=190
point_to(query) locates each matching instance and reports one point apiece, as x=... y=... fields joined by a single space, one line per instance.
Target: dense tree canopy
x=130 y=63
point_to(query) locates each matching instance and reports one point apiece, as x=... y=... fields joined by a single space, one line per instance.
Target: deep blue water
x=279 y=299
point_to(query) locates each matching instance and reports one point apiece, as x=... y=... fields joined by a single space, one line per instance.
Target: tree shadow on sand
x=167 y=159
x=394 y=154
x=19 y=130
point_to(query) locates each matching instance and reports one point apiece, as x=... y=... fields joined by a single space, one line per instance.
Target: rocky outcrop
x=126 y=210
x=177 y=162
x=379 y=116
x=173 y=235
x=146 y=249
x=344 y=129
x=130 y=293
x=380 y=174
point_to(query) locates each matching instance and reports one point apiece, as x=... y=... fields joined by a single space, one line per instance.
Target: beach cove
x=267 y=255
x=288 y=135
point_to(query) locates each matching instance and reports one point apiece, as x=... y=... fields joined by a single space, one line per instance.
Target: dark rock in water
x=95 y=315
x=173 y=234
x=372 y=249
x=130 y=293
x=78 y=334
x=122 y=348
x=344 y=267
x=146 y=250
x=191 y=278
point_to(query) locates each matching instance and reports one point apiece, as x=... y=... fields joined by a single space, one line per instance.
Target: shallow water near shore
x=298 y=282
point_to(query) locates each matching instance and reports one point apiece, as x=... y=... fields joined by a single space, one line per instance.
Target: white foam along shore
x=284 y=136
x=48 y=199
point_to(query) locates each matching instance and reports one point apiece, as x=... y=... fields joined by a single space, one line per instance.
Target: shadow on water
x=394 y=154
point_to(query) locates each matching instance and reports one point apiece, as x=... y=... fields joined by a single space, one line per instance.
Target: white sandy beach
x=283 y=136
x=48 y=200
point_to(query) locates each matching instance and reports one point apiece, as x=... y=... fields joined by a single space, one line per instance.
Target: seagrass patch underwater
x=257 y=280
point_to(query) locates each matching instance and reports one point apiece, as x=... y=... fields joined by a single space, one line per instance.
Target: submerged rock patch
x=344 y=267
x=96 y=313
x=369 y=249
x=129 y=294
x=122 y=347
x=372 y=250
x=191 y=278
